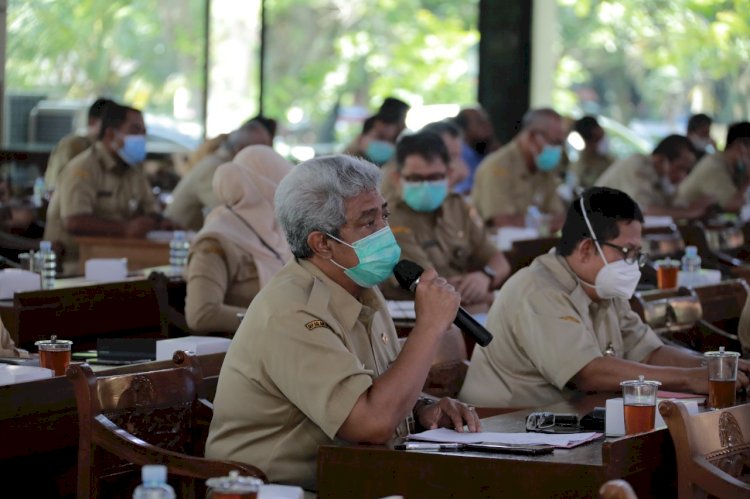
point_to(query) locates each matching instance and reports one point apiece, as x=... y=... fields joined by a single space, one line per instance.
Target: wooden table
x=39 y=426
x=646 y=461
x=141 y=253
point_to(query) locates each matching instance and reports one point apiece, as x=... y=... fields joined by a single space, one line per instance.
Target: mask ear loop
x=591 y=231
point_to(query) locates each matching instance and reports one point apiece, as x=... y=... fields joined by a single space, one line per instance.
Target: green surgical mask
x=378 y=254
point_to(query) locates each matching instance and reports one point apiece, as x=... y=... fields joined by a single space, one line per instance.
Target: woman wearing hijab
x=240 y=247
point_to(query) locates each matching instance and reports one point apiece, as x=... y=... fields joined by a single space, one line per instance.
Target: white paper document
x=563 y=441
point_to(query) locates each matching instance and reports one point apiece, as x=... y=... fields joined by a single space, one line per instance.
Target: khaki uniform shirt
x=546 y=330
x=712 y=176
x=504 y=185
x=68 y=148
x=636 y=177
x=96 y=183
x=195 y=191
x=388 y=188
x=447 y=239
x=303 y=355
x=222 y=280
x=590 y=166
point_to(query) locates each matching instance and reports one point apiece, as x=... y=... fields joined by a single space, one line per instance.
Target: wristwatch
x=490 y=272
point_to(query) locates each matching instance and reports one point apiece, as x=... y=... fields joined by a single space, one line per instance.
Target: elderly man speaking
x=316 y=357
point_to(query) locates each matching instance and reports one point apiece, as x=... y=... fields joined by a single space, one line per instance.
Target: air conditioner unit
x=16 y=112
x=49 y=121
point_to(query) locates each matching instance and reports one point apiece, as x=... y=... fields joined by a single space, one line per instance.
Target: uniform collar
x=106 y=160
x=328 y=295
x=561 y=271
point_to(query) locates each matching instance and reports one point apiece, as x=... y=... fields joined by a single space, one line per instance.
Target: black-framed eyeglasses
x=631 y=255
x=540 y=421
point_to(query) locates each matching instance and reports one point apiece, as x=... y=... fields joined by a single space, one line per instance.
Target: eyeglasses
x=549 y=422
x=540 y=421
x=424 y=178
x=631 y=255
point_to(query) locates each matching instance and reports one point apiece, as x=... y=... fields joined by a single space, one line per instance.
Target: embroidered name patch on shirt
x=316 y=324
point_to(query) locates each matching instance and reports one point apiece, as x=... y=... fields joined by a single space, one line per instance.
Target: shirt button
x=384 y=338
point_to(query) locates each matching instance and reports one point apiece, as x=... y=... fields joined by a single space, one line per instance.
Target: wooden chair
x=524 y=251
x=617 y=489
x=130 y=420
x=712 y=450
x=207 y=367
x=677 y=316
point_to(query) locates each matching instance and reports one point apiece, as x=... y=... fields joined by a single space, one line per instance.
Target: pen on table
x=429 y=446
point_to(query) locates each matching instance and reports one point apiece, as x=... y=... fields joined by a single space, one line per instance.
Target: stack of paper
x=402 y=310
x=561 y=441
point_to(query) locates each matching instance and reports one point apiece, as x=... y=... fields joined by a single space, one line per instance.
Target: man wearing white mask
x=103 y=191
x=523 y=173
x=563 y=325
x=652 y=180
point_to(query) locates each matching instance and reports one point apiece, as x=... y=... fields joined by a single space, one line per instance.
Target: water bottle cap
x=45 y=245
x=179 y=235
x=691 y=251
x=154 y=473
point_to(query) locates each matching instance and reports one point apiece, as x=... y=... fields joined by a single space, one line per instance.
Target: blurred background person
x=595 y=156
x=652 y=181
x=479 y=141
x=194 y=194
x=699 y=133
x=74 y=144
x=103 y=191
x=722 y=176
x=434 y=227
x=396 y=110
x=377 y=142
x=523 y=173
x=240 y=247
x=457 y=169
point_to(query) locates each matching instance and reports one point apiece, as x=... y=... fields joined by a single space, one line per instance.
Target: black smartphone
x=525 y=450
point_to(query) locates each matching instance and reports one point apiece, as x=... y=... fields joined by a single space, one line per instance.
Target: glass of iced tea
x=234 y=486
x=54 y=354
x=639 y=404
x=722 y=376
x=666 y=273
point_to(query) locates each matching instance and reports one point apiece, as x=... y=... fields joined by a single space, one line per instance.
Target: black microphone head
x=407 y=272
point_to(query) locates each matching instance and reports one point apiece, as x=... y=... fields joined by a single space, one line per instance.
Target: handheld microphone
x=408 y=273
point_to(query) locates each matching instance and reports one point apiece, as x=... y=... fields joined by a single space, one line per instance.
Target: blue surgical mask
x=133 y=150
x=424 y=196
x=378 y=254
x=379 y=151
x=549 y=158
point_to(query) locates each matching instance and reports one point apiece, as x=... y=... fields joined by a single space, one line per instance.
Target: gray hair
x=312 y=197
x=539 y=116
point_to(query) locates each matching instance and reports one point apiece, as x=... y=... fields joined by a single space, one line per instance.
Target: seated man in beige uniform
x=564 y=325
x=653 y=180
x=595 y=157
x=457 y=168
x=103 y=191
x=723 y=176
x=316 y=358
x=194 y=194
x=72 y=145
x=434 y=228
x=522 y=173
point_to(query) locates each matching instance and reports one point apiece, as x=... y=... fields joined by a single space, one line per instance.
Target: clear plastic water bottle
x=48 y=261
x=178 y=251
x=154 y=486
x=533 y=217
x=39 y=192
x=691 y=262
